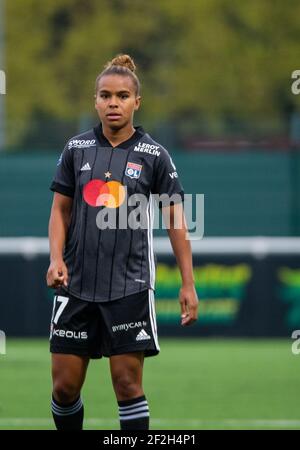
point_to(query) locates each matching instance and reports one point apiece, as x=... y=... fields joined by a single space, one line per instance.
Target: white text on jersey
x=81 y=143
x=147 y=148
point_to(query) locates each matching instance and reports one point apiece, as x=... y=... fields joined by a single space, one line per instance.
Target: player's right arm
x=59 y=222
x=63 y=186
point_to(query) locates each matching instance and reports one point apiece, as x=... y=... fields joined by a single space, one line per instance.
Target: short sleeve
x=166 y=184
x=64 y=180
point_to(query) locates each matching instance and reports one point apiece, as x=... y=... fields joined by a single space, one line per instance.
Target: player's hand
x=189 y=305
x=57 y=274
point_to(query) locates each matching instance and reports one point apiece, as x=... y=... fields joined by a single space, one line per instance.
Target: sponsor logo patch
x=85 y=167
x=69 y=334
x=128 y=326
x=142 y=336
x=133 y=170
x=81 y=143
x=147 y=148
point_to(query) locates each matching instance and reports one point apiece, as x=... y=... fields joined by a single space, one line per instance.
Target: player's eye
x=104 y=96
x=124 y=96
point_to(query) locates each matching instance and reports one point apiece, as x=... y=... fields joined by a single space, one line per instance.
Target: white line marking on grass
x=222 y=423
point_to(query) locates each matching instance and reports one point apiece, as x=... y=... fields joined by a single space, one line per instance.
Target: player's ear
x=137 y=102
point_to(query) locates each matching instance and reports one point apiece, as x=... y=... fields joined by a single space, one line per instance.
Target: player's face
x=116 y=101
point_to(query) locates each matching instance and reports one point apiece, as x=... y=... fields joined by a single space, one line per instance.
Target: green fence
x=246 y=194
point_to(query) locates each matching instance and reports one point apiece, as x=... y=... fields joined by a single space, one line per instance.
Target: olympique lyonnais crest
x=133 y=170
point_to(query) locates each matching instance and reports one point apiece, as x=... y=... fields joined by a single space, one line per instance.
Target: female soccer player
x=103 y=271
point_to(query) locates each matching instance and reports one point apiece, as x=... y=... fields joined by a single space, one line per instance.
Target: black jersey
x=108 y=263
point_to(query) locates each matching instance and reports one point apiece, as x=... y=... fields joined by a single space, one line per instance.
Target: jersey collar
x=104 y=142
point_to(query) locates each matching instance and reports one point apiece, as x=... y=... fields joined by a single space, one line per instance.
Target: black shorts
x=90 y=329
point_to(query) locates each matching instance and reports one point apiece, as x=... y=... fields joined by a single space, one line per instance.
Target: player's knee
x=126 y=387
x=65 y=392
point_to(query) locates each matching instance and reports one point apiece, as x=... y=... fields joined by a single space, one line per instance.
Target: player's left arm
x=176 y=225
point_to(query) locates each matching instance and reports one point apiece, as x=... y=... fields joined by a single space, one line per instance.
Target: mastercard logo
x=99 y=193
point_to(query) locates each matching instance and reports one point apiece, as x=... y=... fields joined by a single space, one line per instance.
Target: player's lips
x=113 y=116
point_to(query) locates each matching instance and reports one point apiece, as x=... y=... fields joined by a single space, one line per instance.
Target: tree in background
x=204 y=65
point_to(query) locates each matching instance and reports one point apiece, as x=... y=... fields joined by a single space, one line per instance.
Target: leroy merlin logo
x=2 y=82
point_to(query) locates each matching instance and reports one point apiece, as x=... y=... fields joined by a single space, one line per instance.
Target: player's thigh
x=69 y=369
x=127 y=366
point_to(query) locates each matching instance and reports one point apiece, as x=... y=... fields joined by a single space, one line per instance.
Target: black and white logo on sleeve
x=85 y=167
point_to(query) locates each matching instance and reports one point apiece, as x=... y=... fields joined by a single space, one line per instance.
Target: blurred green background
x=208 y=68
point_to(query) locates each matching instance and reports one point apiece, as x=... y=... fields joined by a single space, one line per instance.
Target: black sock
x=67 y=417
x=134 y=414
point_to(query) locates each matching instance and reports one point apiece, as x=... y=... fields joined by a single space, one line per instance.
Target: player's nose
x=113 y=102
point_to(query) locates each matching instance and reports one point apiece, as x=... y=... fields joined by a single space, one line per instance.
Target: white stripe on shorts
x=153 y=318
x=52 y=316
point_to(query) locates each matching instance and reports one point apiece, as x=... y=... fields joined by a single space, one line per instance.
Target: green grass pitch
x=191 y=384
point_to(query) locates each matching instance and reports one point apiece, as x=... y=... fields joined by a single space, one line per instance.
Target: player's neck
x=115 y=137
